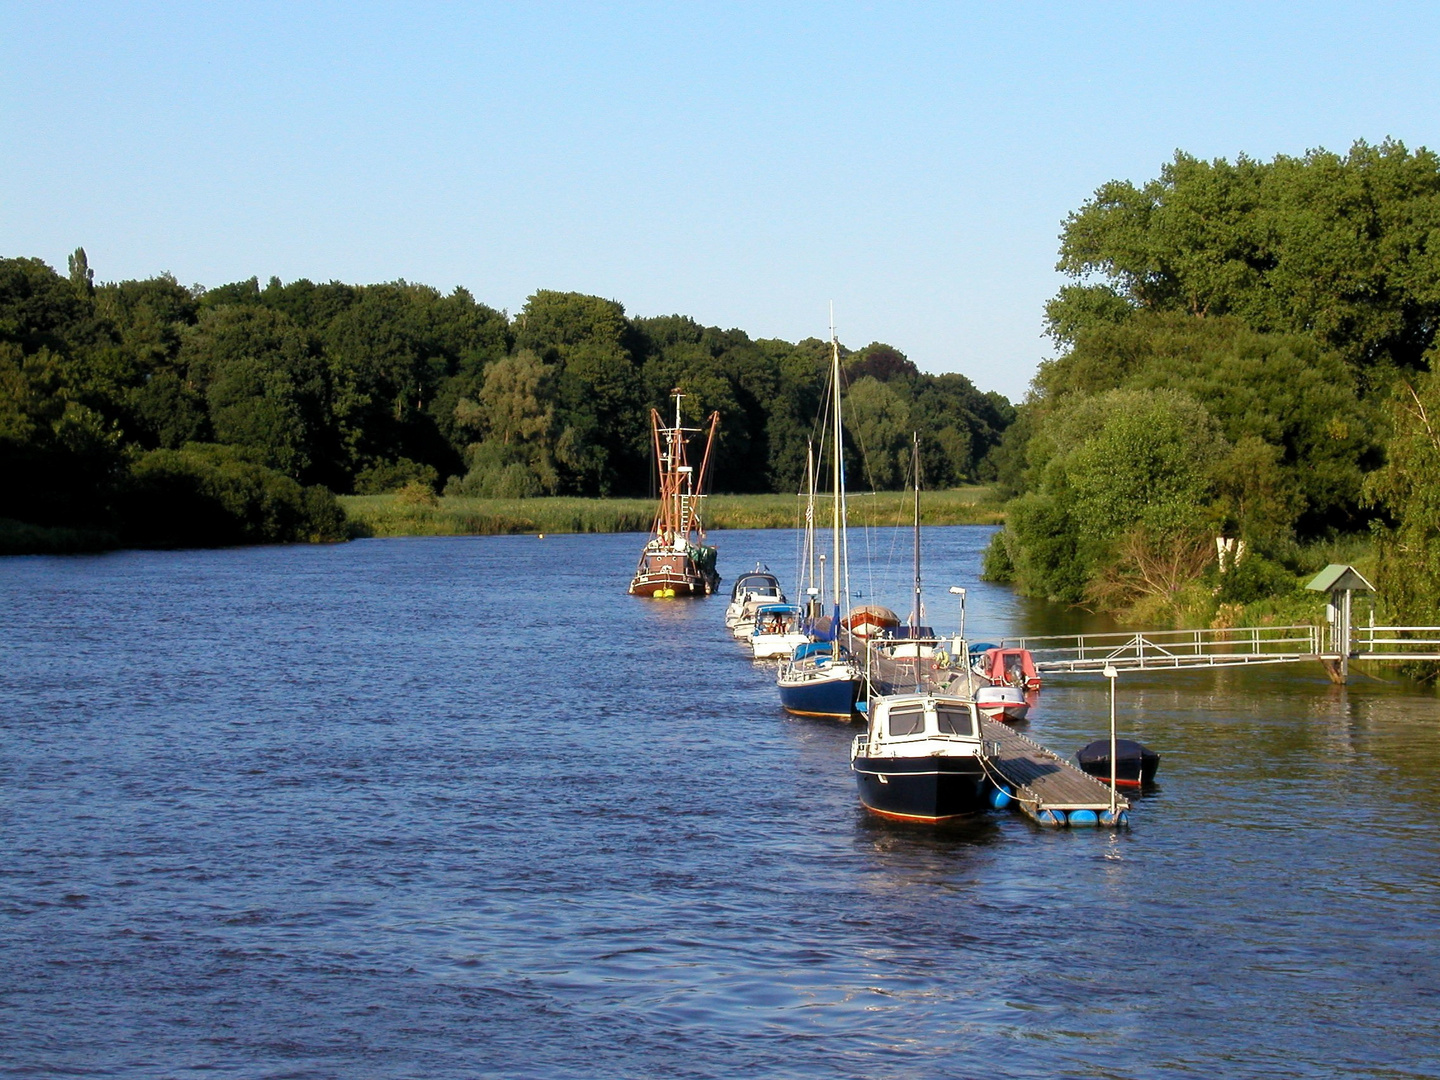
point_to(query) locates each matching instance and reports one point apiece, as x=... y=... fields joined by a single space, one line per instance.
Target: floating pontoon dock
x=1048 y=789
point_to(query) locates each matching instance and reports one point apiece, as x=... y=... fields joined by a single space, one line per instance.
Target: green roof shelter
x=1342 y=582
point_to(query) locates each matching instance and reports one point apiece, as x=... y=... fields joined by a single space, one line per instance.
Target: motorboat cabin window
x=907 y=722
x=955 y=722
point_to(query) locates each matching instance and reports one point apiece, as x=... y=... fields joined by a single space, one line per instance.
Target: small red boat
x=676 y=561
x=1009 y=667
x=869 y=620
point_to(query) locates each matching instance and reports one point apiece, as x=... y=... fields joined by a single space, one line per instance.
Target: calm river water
x=462 y=808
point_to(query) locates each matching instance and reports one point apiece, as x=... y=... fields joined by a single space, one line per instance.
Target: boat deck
x=1048 y=788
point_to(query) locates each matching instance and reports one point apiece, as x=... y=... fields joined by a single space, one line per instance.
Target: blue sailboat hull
x=827 y=697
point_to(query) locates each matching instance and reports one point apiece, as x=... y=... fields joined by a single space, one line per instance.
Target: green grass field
x=391 y=515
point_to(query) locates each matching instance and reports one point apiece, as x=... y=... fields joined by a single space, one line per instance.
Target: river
x=463 y=808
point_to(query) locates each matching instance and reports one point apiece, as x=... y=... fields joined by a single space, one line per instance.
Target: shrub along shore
x=414 y=513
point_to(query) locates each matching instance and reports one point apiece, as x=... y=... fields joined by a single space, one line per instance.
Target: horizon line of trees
x=170 y=414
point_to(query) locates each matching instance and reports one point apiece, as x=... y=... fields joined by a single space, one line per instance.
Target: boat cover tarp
x=1098 y=752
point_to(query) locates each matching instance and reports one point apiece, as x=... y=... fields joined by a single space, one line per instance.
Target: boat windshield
x=955 y=722
x=757 y=583
x=908 y=721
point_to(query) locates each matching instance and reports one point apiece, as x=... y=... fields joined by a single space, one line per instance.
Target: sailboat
x=676 y=560
x=821 y=678
x=922 y=756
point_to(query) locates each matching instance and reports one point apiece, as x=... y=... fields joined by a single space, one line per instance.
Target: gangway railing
x=1395 y=642
x=1170 y=649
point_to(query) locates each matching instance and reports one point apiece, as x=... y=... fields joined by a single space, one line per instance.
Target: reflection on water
x=462 y=807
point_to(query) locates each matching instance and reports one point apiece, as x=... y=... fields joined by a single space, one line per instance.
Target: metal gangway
x=1333 y=644
x=1172 y=649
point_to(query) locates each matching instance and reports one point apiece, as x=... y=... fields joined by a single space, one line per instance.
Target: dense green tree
x=1408 y=487
x=880 y=424
x=264 y=387
x=1336 y=247
x=205 y=495
x=1284 y=390
x=1124 y=463
x=602 y=445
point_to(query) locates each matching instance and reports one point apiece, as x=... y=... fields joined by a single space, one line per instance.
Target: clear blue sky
x=741 y=163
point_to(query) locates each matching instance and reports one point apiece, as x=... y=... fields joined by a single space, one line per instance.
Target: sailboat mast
x=915 y=457
x=839 y=509
x=810 y=515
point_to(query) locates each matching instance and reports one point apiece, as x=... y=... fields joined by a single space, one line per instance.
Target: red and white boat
x=1008 y=667
x=1002 y=702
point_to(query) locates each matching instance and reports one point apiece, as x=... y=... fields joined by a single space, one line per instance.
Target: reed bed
x=396 y=515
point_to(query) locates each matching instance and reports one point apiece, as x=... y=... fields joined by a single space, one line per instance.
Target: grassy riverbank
x=399 y=515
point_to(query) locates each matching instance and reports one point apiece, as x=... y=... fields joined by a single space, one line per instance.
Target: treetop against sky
x=740 y=163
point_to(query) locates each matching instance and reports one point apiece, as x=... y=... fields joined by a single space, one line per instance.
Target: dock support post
x=1111 y=674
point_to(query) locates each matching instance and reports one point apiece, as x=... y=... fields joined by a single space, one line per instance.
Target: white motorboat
x=779 y=631
x=751 y=590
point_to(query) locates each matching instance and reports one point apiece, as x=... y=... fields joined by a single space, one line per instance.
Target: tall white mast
x=839 y=513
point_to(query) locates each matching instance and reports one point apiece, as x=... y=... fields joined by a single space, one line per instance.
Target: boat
x=1002 y=702
x=676 y=561
x=908 y=642
x=825 y=681
x=751 y=590
x=779 y=631
x=1005 y=667
x=1135 y=763
x=922 y=758
x=868 y=620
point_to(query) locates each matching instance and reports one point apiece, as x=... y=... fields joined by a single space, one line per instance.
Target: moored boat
x=1006 y=667
x=779 y=631
x=819 y=680
x=868 y=620
x=757 y=587
x=1002 y=702
x=1135 y=763
x=676 y=561
x=822 y=678
x=922 y=758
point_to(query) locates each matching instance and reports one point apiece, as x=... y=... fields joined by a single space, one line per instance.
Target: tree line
x=1245 y=350
x=168 y=414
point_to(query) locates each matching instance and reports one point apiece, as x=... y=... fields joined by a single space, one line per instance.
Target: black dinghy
x=1135 y=763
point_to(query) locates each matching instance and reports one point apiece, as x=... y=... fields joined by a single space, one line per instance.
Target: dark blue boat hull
x=925 y=789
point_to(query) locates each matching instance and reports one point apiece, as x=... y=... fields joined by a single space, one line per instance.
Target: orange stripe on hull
x=920 y=818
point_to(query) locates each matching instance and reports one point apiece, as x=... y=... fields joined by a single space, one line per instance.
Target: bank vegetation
x=1245 y=354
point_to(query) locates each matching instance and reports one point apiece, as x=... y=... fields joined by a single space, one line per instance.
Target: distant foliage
x=1282 y=300
x=204 y=494
x=369 y=388
x=1408 y=486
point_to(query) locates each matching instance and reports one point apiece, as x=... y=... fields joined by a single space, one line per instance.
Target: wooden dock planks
x=1044 y=780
